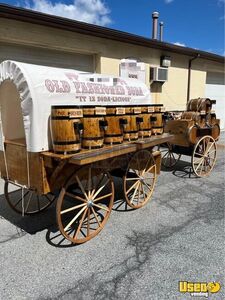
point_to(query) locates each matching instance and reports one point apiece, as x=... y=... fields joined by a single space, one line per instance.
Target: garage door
x=215 y=89
x=82 y=62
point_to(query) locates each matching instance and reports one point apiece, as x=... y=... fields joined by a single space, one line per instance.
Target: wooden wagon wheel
x=84 y=204
x=26 y=201
x=139 y=179
x=169 y=158
x=204 y=156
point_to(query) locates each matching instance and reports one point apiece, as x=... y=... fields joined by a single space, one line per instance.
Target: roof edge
x=26 y=15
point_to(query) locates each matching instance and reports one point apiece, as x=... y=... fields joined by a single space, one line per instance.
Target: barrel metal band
x=131 y=131
x=94 y=138
x=145 y=129
x=92 y=147
x=67 y=152
x=113 y=143
x=93 y=116
x=63 y=118
x=113 y=135
x=66 y=142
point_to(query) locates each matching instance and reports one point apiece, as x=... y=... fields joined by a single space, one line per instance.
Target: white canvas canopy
x=28 y=91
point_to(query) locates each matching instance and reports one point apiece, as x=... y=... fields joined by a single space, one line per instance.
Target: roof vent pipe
x=155 y=16
x=161 y=31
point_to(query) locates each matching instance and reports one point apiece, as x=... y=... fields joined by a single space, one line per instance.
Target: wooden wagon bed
x=89 y=156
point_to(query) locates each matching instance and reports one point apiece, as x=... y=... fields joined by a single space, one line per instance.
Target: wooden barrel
x=145 y=127
x=203 y=105
x=211 y=119
x=192 y=134
x=215 y=131
x=116 y=124
x=184 y=131
x=66 y=128
x=133 y=121
x=197 y=117
x=158 y=108
x=157 y=119
x=93 y=127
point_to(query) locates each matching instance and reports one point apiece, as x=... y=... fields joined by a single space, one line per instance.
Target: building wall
x=107 y=55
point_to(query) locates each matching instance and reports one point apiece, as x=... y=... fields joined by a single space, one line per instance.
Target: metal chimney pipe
x=161 y=31
x=155 y=16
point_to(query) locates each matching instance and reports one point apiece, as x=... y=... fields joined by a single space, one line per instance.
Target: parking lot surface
x=140 y=254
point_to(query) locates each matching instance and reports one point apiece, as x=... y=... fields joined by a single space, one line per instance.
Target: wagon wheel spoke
x=76 y=197
x=101 y=207
x=80 y=224
x=132 y=186
x=98 y=184
x=21 y=198
x=88 y=222
x=81 y=187
x=102 y=197
x=147 y=186
x=151 y=168
x=209 y=146
x=206 y=150
x=169 y=158
x=143 y=192
x=89 y=181
x=74 y=218
x=30 y=202
x=38 y=202
x=96 y=218
x=72 y=208
x=135 y=192
x=196 y=161
x=49 y=199
x=100 y=189
x=139 y=192
x=200 y=163
x=212 y=152
x=89 y=217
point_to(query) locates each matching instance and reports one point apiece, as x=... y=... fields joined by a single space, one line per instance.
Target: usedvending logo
x=199 y=289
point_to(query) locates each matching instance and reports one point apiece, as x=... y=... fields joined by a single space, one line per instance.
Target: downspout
x=189 y=75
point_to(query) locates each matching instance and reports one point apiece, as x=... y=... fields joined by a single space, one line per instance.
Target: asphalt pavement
x=140 y=254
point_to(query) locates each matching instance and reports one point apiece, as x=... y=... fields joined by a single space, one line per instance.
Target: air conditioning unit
x=158 y=74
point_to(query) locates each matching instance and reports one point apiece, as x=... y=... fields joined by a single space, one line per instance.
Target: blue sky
x=193 y=23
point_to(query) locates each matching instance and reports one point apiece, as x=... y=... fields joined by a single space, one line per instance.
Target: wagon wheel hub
x=89 y=203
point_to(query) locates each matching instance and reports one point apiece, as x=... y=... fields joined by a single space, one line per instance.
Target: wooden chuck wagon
x=195 y=135
x=63 y=135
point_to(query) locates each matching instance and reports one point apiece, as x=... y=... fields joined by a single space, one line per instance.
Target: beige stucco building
x=37 y=38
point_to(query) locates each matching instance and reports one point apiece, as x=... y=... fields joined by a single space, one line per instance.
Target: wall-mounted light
x=165 y=61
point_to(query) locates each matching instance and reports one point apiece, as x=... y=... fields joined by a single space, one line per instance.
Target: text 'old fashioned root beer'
x=66 y=128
